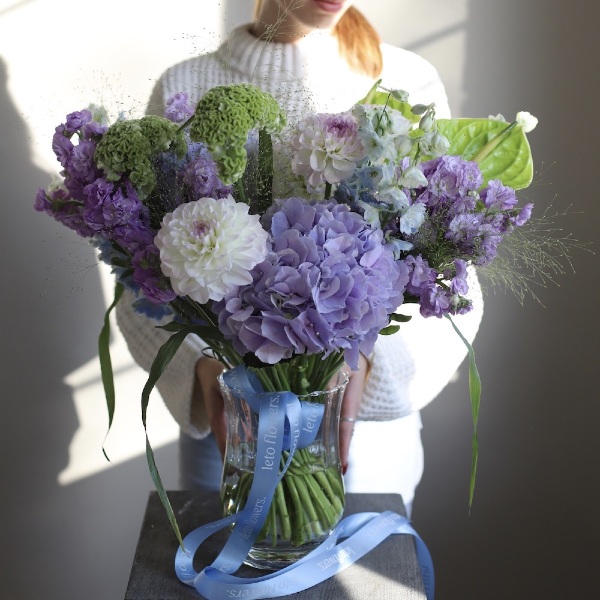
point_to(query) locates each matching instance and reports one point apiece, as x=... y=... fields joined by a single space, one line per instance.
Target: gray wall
x=533 y=528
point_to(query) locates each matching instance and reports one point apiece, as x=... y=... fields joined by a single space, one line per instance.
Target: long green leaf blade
x=475 y=395
x=106 y=369
x=163 y=358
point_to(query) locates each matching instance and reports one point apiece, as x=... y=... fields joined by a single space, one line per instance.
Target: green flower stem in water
x=307 y=502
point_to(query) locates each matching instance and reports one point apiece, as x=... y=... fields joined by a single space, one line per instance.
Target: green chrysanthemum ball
x=128 y=146
x=223 y=118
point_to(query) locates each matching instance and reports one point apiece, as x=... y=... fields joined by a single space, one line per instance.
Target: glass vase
x=309 y=500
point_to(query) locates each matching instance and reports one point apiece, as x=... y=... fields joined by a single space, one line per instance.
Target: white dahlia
x=208 y=247
x=327 y=148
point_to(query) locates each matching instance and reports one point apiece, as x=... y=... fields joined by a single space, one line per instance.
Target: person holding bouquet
x=320 y=56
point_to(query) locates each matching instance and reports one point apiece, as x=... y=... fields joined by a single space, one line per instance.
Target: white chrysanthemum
x=327 y=148
x=208 y=247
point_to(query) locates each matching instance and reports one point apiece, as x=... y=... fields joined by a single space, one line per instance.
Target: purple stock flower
x=200 y=175
x=93 y=131
x=82 y=166
x=434 y=302
x=76 y=120
x=524 y=215
x=420 y=275
x=497 y=196
x=458 y=278
x=77 y=160
x=58 y=203
x=329 y=284
x=178 y=109
x=148 y=275
x=62 y=146
x=450 y=178
x=116 y=213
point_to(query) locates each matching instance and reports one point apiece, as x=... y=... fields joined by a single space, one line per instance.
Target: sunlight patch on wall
x=126 y=439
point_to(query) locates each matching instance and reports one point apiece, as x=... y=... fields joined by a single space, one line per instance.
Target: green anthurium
x=500 y=148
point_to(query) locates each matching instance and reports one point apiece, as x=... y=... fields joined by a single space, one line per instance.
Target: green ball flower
x=128 y=146
x=223 y=118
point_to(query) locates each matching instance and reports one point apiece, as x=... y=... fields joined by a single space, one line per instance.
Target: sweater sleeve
x=411 y=367
x=408 y=71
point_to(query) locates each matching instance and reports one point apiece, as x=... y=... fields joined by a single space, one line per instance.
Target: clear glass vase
x=309 y=500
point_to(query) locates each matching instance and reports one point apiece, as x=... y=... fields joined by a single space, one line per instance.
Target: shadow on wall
x=538 y=439
x=49 y=290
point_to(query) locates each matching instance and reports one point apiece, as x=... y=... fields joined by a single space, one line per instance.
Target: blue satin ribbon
x=284 y=423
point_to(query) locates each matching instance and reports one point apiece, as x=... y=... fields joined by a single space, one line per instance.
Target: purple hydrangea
x=329 y=284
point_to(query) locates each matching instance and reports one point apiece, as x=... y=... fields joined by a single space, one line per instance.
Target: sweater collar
x=319 y=49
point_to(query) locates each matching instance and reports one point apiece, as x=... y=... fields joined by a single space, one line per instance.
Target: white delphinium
x=208 y=247
x=384 y=131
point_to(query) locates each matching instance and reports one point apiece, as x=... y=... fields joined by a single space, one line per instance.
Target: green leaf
x=400 y=318
x=389 y=330
x=264 y=182
x=509 y=158
x=163 y=358
x=475 y=395
x=162 y=494
x=106 y=369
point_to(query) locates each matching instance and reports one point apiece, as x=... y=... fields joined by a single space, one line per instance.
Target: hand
x=207 y=396
x=350 y=406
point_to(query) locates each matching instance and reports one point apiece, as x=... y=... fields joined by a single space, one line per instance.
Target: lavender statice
x=328 y=285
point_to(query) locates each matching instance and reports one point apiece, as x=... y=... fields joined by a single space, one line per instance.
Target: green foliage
x=128 y=147
x=501 y=149
x=475 y=395
x=223 y=118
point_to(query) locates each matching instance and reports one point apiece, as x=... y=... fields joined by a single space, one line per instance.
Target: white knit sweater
x=409 y=368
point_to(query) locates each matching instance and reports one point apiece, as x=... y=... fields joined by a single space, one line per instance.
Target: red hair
x=359 y=42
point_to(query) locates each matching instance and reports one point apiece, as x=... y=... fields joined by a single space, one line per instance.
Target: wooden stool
x=389 y=571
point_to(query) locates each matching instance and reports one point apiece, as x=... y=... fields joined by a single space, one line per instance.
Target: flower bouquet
x=392 y=206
